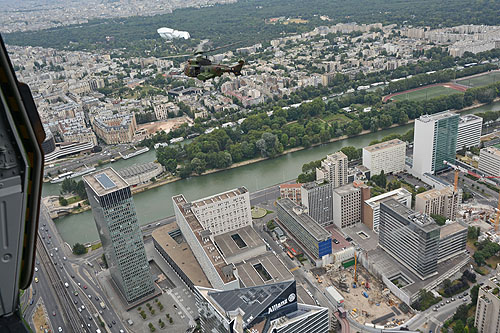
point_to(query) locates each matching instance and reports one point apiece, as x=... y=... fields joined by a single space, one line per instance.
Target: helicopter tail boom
x=236 y=69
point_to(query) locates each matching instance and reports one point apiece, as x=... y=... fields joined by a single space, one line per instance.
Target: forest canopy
x=244 y=20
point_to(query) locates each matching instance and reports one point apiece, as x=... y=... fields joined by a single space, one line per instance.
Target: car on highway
x=114 y=322
x=59 y=329
x=442 y=304
x=75 y=293
x=75 y=301
x=109 y=325
x=453 y=299
x=31 y=302
x=84 y=286
x=447 y=301
x=51 y=254
x=90 y=296
x=36 y=269
x=36 y=280
x=53 y=313
x=64 y=258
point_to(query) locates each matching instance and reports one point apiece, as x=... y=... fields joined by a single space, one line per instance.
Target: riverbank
x=169 y=180
x=340 y=138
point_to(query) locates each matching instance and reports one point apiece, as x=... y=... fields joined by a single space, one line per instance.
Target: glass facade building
x=312 y=236
x=445 y=142
x=116 y=220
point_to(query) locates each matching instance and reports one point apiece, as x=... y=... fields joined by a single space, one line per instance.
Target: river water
x=156 y=203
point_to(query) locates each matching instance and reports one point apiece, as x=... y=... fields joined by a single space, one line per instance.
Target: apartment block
x=371 y=207
x=489 y=161
x=444 y=202
x=292 y=192
x=409 y=237
x=118 y=128
x=487 y=318
x=346 y=206
x=469 y=131
x=388 y=156
x=333 y=169
x=116 y=220
x=435 y=141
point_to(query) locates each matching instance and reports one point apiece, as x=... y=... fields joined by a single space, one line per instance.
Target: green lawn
x=341 y=118
x=480 y=81
x=426 y=93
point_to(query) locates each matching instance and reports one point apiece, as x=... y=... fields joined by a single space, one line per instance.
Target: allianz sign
x=276 y=306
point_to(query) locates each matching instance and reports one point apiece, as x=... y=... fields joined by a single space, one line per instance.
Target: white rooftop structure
x=169 y=33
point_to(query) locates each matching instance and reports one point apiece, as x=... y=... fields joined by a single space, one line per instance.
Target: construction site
x=365 y=297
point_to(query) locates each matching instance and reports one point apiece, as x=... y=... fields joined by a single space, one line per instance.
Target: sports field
x=425 y=93
x=480 y=80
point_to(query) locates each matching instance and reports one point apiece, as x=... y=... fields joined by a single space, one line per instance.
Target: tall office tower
x=116 y=220
x=388 y=156
x=442 y=202
x=435 y=141
x=469 y=131
x=410 y=238
x=318 y=199
x=333 y=169
x=489 y=161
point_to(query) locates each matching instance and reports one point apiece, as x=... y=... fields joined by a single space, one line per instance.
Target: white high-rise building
x=489 y=161
x=469 y=131
x=388 y=156
x=435 y=141
x=224 y=212
x=333 y=169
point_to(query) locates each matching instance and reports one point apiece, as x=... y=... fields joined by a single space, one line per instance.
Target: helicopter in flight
x=202 y=68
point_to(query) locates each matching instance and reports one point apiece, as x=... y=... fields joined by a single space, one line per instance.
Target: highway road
x=69 y=300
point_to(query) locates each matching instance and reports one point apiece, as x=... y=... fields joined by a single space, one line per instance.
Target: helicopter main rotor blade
x=217 y=48
x=176 y=56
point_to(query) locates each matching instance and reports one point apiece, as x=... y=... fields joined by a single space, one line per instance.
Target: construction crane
x=458 y=169
x=355 y=269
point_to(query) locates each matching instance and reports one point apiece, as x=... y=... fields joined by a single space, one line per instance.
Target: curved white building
x=169 y=33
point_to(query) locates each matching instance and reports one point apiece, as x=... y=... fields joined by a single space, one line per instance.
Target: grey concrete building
x=116 y=220
x=318 y=199
x=452 y=240
x=411 y=238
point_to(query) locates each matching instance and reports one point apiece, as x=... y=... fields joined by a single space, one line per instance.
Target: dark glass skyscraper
x=116 y=220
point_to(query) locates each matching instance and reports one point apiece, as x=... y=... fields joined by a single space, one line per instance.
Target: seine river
x=156 y=203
